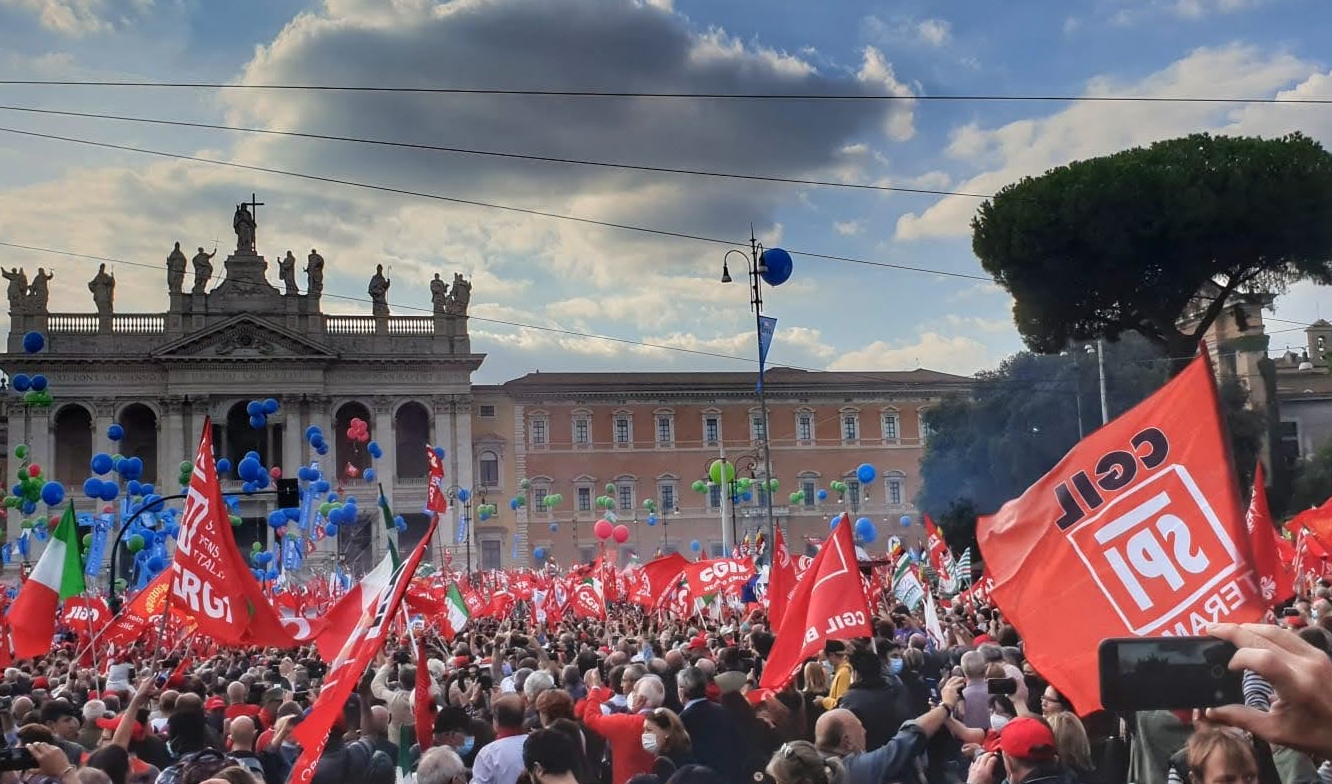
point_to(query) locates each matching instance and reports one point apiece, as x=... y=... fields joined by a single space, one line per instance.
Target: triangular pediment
x=244 y=337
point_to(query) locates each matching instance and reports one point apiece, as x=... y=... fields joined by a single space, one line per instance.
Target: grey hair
x=93 y=710
x=973 y=664
x=651 y=690
x=536 y=683
x=439 y=765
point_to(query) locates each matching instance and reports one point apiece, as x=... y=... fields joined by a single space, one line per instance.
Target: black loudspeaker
x=288 y=494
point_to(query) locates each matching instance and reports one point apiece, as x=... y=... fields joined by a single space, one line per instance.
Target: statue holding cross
x=245 y=224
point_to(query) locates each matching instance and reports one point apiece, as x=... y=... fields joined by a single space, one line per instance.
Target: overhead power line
x=734 y=96
x=476 y=203
x=492 y=153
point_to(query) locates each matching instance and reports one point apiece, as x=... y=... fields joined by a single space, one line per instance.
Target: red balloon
x=621 y=534
x=34 y=470
x=108 y=509
x=603 y=529
x=275 y=472
x=352 y=471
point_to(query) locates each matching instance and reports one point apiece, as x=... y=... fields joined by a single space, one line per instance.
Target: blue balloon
x=832 y=524
x=254 y=408
x=322 y=486
x=312 y=431
x=369 y=474
x=439 y=452
x=779 y=266
x=115 y=432
x=109 y=491
x=249 y=469
x=399 y=520
x=652 y=520
x=865 y=473
x=822 y=494
x=258 y=422
x=401 y=525
x=747 y=496
x=21 y=382
x=484 y=515
x=271 y=574
x=906 y=521
x=224 y=466
x=373 y=447
x=554 y=527
x=865 y=530
x=156 y=564
x=292 y=513
x=33 y=342
x=253 y=454
x=331 y=529
x=270 y=406
x=332 y=497
x=263 y=480
x=305 y=474
x=38 y=382
x=335 y=516
x=277 y=519
x=132 y=487
x=101 y=463
x=92 y=487
x=258 y=574
x=464 y=494
x=248 y=487
x=53 y=493
x=28 y=507
x=321 y=450
x=146 y=489
x=513 y=504
x=695 y=546
x=539 y=553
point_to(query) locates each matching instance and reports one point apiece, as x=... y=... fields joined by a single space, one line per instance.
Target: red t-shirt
x=242 y=709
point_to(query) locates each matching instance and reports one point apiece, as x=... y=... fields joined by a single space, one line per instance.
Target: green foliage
x=1126 y=242
x=1313 y=480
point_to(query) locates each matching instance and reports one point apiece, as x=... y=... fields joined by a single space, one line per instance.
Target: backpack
x=368 y=765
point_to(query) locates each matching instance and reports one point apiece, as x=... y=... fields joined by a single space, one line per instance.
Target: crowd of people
x=646 y=700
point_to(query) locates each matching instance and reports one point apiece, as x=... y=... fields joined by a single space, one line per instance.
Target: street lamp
x=757 y=263
x=467 y=497
x=1099 y=350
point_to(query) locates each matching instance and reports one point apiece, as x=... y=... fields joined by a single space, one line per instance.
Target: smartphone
x=1290 y=612
x=162 y=678
x=1006 y=686
x=1167 y=673
x=17 y=759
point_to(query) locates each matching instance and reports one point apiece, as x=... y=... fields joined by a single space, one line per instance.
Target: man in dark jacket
x=716 y=740
x=880 y=701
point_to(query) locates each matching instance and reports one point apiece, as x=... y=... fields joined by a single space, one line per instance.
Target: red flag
x=587 y=599
x=436 y=499
x=829 y=603
x=343 y=619
x=210 y=583
x=86 y=616
x=781 y=581
x=423 y=706
x=941 y=558
x=657 y=579
x=1137 y=531
x=146 y=606
x=344 y=672
x=1274 y=581
x=1317 y=521
x=717 y=577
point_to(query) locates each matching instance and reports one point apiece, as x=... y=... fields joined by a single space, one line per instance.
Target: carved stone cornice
x=381 y=405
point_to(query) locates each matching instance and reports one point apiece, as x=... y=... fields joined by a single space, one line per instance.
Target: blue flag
x=766 y=327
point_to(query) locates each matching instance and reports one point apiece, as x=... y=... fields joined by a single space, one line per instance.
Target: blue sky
x=663 y=291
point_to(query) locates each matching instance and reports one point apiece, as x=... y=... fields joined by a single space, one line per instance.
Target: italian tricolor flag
x=458 y=612
x=57 y=576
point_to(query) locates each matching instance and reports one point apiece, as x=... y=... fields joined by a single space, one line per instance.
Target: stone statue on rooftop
x=459 y=297
x=287 y=271
x=18 y=288
x=203 y=270
x=378 y=291
x=103 y=288
x=314 y=267
x=244 y=224
x=439 y=294
x=39 y=293
x=176 y=270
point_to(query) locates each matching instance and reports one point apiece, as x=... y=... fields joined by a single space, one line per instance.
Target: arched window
x=242 y=438
x=73 y=445
x=411 y=427
x=140 y=440
x=488 y=469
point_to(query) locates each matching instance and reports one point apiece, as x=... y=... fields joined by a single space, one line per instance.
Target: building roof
x=777 y=380
x=1293 y=385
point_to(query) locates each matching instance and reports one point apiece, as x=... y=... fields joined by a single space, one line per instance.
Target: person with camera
x=839 y=734
x=1026 y=755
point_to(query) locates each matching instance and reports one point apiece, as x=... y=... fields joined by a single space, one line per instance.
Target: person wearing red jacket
x=623 y=731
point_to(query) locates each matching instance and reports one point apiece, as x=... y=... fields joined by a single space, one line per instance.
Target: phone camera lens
x=1218 y=671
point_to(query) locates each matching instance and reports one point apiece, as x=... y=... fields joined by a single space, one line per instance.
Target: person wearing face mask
x=877 y=698
x=975 y=741
x=624 y=731
x=664 y=736
x=453 y=727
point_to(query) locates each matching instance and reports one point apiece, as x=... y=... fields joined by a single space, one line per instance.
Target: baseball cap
x=834 y=646
x=215 y=703
x=1027 y=738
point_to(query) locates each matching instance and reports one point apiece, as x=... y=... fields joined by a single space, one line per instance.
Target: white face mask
x=650 y=742
x=998 y=722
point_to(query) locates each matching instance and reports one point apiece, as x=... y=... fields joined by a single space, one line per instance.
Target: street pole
x=757 y=301
x=728 y=541
x=1100 y=371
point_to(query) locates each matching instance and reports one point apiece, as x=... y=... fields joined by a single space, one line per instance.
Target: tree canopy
x=1130 y=242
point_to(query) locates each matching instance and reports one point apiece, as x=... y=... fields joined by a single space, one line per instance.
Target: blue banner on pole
x=767 y=325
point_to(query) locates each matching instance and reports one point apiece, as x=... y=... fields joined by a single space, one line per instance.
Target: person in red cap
x=1026 y=756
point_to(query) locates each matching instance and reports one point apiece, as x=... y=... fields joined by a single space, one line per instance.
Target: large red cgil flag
x=1275 y=582
x=1138 y=531
x=828 y=604
x=782 y=580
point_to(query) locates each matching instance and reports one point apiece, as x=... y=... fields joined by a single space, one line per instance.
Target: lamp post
x=1099 y=349
x=455 y=493
x=759 y=271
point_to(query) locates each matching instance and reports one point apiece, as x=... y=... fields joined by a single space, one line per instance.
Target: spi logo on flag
x=1137 y=531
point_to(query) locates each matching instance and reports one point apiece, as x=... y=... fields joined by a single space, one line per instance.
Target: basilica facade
x=232 y=337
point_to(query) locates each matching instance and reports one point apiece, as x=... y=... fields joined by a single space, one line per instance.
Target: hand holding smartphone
x=1168 y=673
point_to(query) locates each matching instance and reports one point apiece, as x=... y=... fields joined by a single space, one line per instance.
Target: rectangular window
x=667 y=497
x=712 y=430
x=539 y=497
x=714 y=496
x=487 y=412
x=584 y=499
x=894 y=491
x=621 y=430
x=538 y=431
x=805 y=427
x=756 y=427
x=850 y=427
x=581 y=435
x=626 y=498
x=890 y=427
x=664 y=435
x=853 y=494
x=809 y=491
x=490 y=555
x=489 y=469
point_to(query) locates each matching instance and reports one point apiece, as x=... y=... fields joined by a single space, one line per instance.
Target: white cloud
x=875 y=71
x=848 y=228
x=951 y=354
x=976 y=323
x=1135 y=11
x=1086 y=129
x=934 y=32
x=74 y=18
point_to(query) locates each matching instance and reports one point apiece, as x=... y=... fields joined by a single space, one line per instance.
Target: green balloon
x=28 y=524
x=87 y=541
x=522 y=500
x=256 y=547
x=325 y=508
x=235 y=521
x=186 y=466
x=134 y=543
x=525 y=483
x=721 y=471
x=773 y=484
x=21 y=451
x=699 y=486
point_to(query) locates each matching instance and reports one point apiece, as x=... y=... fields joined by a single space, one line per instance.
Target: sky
x=542 y=287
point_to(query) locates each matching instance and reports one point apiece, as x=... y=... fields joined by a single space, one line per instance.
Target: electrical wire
x=476 y=203
x=557 y=93
x=492 y=153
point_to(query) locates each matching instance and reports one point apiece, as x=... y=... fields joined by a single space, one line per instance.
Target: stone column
x=441 y=434
x=171 y=452
x=318 y=413
x=293 y=438
x=381 y=430
x=18 y=434
x=104 y=410
x=461 y=447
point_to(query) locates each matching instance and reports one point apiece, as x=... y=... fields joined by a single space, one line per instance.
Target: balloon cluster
x=517 y=502
x=358 y=430
x=486 y=511
x=699 y=486
x=865 y=531
x=838 y=486
x=264 y=569
x=253 y=475
x=32 y=486
x=314 y=436
x=338 y=513
x=605 y=529
x=260 y=411
x=36 y=388
x=797 y=498
x=651 y=506
x=553 y=500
